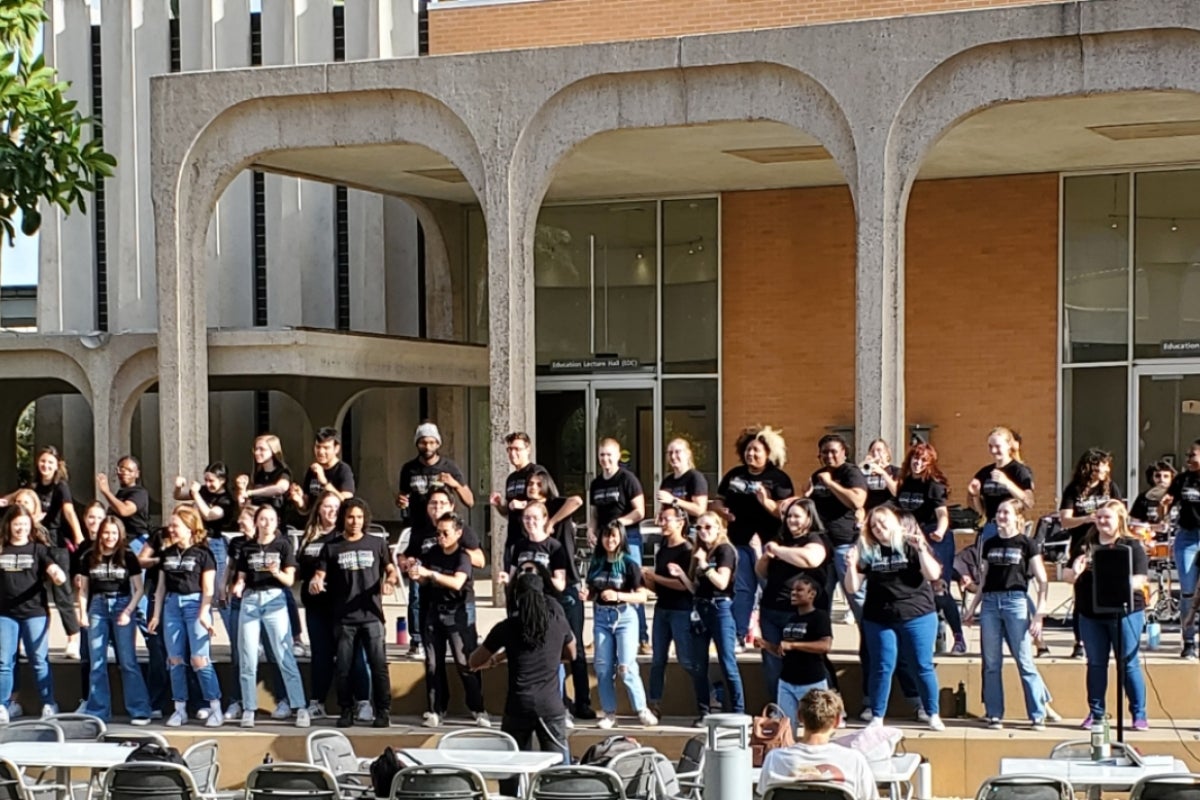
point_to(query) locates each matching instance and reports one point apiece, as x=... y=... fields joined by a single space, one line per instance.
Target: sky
x=19 y=263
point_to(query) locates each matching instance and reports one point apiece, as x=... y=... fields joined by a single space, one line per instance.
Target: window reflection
x=1166 y=260
x=1095 y=268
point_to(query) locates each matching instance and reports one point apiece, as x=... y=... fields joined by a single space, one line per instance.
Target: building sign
x=1180 y=347
x=595 y=364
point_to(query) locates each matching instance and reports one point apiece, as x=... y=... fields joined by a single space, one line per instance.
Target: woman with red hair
x=922 y=492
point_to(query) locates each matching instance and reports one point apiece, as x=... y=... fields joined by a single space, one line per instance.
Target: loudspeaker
x=1112 y=580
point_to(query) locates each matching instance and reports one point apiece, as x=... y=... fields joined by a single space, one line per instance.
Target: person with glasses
x=539 y=547
x=513 y=499
x=685 y=488
x=673 y=606
x=709 y=577
x=445 y=573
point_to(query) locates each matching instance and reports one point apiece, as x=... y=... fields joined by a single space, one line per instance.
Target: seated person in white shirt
x=813 y=757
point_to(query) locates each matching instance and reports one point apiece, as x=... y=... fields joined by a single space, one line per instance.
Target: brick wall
x=561 y=22
x=787 y=316
x=981 y=320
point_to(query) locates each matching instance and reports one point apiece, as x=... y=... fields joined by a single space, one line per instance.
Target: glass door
x=1168 y=415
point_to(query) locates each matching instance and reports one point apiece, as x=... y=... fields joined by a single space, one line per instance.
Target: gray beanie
x=427 y=430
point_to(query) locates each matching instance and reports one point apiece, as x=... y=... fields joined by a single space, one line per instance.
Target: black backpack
x=602 y=752
x=153 y=752
x=383 y=771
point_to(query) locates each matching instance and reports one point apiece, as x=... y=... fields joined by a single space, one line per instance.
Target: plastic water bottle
x=1097 y=733
x=1106 y=748
x=1153 y=634
x=401 y=631
x=960 y=701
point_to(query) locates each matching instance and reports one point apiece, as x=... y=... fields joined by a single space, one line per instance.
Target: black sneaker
x=1077 y=651
x=346 y=719
x=1189 y=652
x=382 y=721
x=584 y=712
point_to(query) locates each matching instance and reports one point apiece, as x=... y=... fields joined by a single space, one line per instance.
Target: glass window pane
x=1167 y=260
x=689 y=286
x=690 y=411
x=1168 y=418
x=1095 y=410
x=1095 y=268
x=596 y=278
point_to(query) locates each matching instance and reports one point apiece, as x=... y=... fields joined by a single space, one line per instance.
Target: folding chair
x=149 y=780
x=35 y=731
x=138 y=739
x=79 y=727
x=809 y=790
x=285 y=780
x=12 y=784
x=638 y=771
x=201 y=760
x=1025 y=787
x=690 y=768
x=577 y=783
x=438 y=783
x=1178 y=786
x=334 y=751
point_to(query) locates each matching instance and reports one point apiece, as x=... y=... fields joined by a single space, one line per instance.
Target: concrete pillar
x=66 y=262
x=381 y=28
x=134 y=40
x=382 y=427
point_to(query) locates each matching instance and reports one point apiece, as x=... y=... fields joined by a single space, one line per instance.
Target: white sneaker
x=234 y=711
x=298 y=650
x=569 y=721
x=316 y=710
x=71 y=651
x=303 y=720
x=177 y=719
x=935 y=723
x=282 y=711
x=866 y=715
x=647 y=718
x=482 y=719
x=876 y=722
x=1052 y=715
x=416 y=652
x=15 y=711
x=202 y=714
x=49 y=710
x=365 y=712
x=215 y=719
x=431 y=720
x=141 y=722
x=247 y=719
x=605 y=722
x=3 y=715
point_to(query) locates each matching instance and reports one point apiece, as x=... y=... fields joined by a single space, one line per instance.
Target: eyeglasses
x=706 y=527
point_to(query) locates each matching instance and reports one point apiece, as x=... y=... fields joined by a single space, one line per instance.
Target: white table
x=1115 y=774
x=62 y=757
x=896 y=774
x=488 y=763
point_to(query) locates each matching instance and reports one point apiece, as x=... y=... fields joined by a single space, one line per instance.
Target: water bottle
x=401 y=631
x=941 y=644
x=1097 y=741
x=267 y=759
x=960 y=701
x=1153 y=634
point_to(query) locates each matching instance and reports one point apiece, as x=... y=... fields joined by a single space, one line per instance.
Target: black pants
x=551 y=733
x=450 y=626
x=573 y=608
x=64 y=595
x=367 y=637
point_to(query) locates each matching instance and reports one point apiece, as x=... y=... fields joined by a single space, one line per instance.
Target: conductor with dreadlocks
x=534 y=641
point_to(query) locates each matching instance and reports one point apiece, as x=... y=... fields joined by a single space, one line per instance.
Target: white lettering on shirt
x=356 y=560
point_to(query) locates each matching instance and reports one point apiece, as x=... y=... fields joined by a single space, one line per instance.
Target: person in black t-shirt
x=218 y=509
x=538 y=546
x=445 y=572
x=428 y=471
x=357 y=571
x=1005 y=477
x=1183 y=499
x=685 y=487
x=327 y=472
x=802 y=551
x=25 y=564
x=511 y=502
x=898 y=610
x=1007 y=560
x=110 y=588
x=673 y=607
x=616 y=496
x=801 y=645
x=881 y=474
x=752 y=498
x=266 y=570
x=534 y=640
x=131 y=502
x=1160 y=475
x=271 y=479
x=1099 y=631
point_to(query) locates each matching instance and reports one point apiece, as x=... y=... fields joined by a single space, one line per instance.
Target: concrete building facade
x=945 y=220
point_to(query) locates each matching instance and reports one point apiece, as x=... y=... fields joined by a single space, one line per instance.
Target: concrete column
x=134 y=40
x=66 y=288
x=381 y=28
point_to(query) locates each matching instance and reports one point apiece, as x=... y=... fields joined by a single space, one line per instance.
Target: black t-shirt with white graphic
x=262 y=479
x=613 y=497
x=799 y=668
x=255 y=561
x=23 y=580
x=1085 y=502
x=724 y=556
x=53 y=496
x=354 y=573
x=423 y=539
x=782 y=576
x=532 y=667
x=1083 y=584
x=738 y=492
x=229 y=511
x=877 y=489
x=549 y=553
x=339 y=476
x=1007 y=563
x=1185 y=493
x=438 y=597
x=921 y=498
x=672 y=599
x=839 y=518
x=138 y=523
x=1146 y=509
x=564 y=534
x=896 y=587
x=182 y=569
x=993 y=493
x=687 y=486
x=418 y=479
x=308 y=561
x=624 y=575
x=111 y=574
x=515 y=489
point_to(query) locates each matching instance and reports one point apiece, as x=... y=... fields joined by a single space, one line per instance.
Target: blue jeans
x=716 y=625
x=220 y=550
x=1187 y=548
x=633 y=542
x=789 y=697
x=855 y=601
x=264 y=615
x=103 y=611
x=35 y=634
x=614 y=629
x=772 y=621
x=414 y=613
x=232 y=615
x=988 y=530
x=745 y=591
x=671 y=626
x=1099 y=639
x=184 y=634
x=886 y=641
x=1005 y=619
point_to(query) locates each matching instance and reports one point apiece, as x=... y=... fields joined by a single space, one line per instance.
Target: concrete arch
x=49 y=364
x=440 y=313
x=133 y=378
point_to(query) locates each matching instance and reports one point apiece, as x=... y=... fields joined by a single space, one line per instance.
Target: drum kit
x=1161 y=601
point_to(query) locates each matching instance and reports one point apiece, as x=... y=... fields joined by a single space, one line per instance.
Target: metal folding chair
x=809 y=790
x=149 y=780
x=284 y=781
x=1025 y=787
x=577 y=783
x=1178 y=786
x=438 y=783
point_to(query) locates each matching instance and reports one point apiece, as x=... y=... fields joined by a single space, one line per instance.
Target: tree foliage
x=43 y=155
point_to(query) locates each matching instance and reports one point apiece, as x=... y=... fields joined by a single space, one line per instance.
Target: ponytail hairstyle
x=1014 y=441
x=529 y=596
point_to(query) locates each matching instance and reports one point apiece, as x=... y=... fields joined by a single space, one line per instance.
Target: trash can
x=728 y=766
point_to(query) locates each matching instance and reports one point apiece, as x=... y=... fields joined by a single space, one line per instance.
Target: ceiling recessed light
x=1149 y=130
x=782 y=155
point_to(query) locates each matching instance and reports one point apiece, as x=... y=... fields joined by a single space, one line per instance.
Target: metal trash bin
x=728 y=767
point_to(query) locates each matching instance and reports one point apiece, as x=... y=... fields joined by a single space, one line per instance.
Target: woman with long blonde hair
x=685 y=488
x=1006 y=477
x=271 y=479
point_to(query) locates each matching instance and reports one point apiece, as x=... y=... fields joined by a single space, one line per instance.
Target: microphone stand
x=1121 y=672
